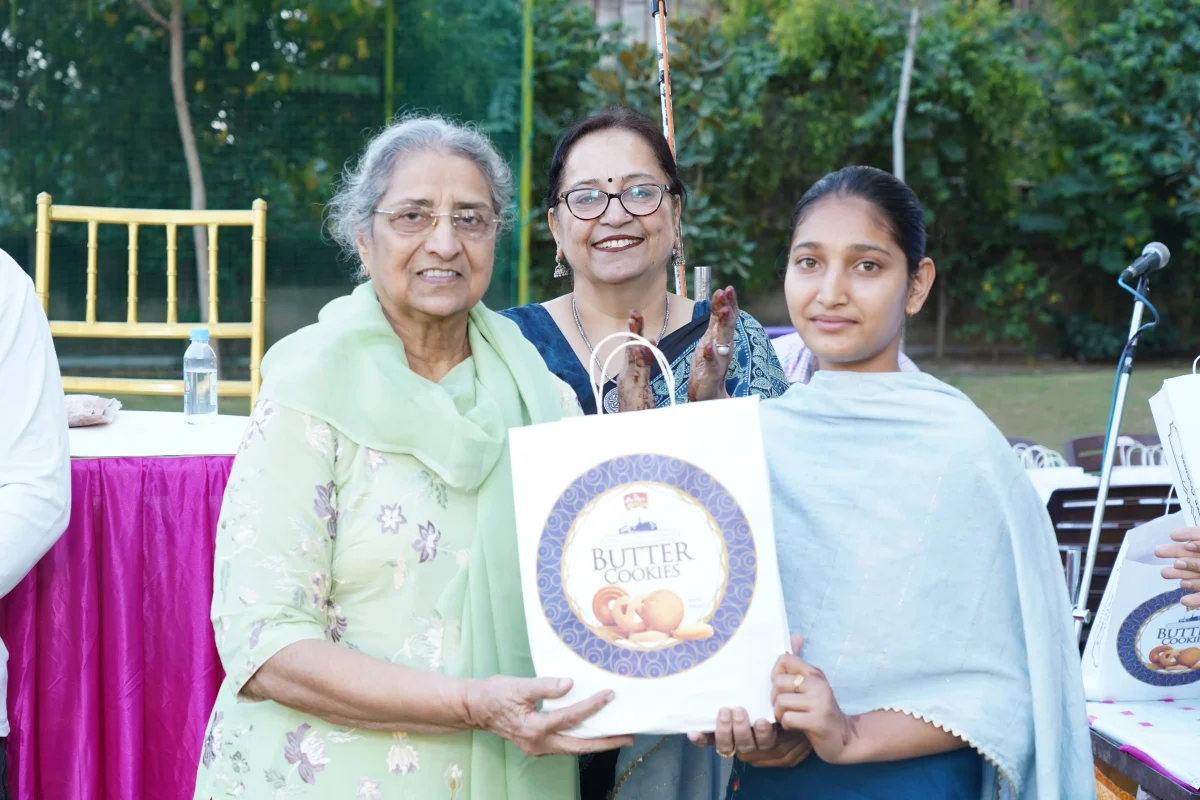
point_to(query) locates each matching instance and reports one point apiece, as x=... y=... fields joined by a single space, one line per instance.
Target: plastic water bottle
x=199 y=379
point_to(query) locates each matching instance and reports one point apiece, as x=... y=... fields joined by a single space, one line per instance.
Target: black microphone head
x=1158 y=249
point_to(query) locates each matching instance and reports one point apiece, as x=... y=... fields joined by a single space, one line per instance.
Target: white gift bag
x=1145 y=645
x=1176 y=410
x=648 y=567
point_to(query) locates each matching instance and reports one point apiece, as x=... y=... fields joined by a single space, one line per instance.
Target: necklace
x=611 y=404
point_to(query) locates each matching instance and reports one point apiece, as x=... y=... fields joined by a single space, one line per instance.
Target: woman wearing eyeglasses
x=615 y=199
x=366 y=599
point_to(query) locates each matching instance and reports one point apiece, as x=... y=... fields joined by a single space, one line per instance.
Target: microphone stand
x=1081 y=613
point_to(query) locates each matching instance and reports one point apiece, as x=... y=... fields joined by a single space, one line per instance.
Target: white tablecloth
x=157 y=433
x=1049 y=480
x=1167 y=731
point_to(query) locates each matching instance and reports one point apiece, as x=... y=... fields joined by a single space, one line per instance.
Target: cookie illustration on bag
x=647 y=566
x=1159 y=642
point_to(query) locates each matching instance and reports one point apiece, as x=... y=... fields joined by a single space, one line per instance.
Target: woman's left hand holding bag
x=763 y=744
x=804 y=702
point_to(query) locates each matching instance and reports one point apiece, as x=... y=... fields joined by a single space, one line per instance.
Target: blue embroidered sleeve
x=755 y=368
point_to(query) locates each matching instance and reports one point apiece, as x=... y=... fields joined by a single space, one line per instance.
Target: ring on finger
x=725 y=755
x=724 y=349
x=797 y=681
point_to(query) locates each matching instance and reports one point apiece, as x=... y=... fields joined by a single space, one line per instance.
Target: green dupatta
x=350 y=370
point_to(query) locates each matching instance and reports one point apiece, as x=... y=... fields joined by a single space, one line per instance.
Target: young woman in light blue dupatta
x=936 y=659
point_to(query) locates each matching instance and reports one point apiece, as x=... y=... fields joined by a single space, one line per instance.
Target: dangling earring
x=677 y=258
x=560 y=269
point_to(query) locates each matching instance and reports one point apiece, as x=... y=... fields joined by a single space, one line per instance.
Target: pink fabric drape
x=112 y=669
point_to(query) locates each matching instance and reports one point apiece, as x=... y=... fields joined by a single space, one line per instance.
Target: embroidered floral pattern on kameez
x=346 y=553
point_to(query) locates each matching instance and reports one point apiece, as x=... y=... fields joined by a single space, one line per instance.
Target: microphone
x=1153 y=258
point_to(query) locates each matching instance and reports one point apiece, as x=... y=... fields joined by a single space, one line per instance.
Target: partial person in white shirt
x=35 y=459
x=799 y=363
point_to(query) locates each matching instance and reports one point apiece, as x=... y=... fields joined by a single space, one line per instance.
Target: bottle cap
x=199 y=334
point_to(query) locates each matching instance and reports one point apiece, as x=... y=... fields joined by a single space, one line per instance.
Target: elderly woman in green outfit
x=367 y=604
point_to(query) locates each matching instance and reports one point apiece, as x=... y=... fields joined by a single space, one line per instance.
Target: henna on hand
x=633 y=384
x=710 y=367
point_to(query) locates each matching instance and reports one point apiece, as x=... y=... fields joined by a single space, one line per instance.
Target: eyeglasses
x=471 y=223
x=641 y=200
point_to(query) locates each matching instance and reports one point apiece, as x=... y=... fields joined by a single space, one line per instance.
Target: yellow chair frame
x=133 y=218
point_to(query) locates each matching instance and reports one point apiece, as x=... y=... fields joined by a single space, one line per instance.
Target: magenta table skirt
x=112 y=669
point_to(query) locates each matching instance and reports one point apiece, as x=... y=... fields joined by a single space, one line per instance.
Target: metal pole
x=914 y=21
x=1081 y=613
x=658 y=12
x=389 y=61
x=525 y=200
x=703 y=283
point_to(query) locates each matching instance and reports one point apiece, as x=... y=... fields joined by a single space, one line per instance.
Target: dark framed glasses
x=640 y=200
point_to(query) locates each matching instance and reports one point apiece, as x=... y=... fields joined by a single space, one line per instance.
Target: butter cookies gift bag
x=647 y=559
x=1145 y=644
x=1176 y=410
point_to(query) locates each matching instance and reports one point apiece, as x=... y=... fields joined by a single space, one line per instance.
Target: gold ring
x=726 y=755
x=796 y=681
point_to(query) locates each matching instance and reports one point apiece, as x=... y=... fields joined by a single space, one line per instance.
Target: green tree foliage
x=281 y=95
x=1126 y=165
x=774 y=99
x=974 y=97
x=1046 y=149
x=1043 y=154
x=1013 y=302
x=1077 y=17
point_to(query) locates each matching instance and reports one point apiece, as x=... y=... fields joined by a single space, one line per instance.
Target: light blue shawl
x=920 y=564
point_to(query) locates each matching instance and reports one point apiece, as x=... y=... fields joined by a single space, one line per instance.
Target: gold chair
x=133 y=218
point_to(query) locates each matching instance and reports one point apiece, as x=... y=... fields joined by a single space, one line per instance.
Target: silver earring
x=560 y=269
x=676 y=257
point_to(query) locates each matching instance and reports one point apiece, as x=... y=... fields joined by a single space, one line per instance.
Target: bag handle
x=633 y=340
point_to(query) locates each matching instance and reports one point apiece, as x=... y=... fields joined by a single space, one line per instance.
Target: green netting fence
x=280 y=96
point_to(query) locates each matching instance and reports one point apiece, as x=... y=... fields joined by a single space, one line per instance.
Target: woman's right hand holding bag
x=508 y=707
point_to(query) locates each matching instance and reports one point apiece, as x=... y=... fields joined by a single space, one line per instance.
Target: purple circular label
x=1159 y=642
x=646 y=566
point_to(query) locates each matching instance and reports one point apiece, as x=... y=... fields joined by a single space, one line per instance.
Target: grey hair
x=350 y=211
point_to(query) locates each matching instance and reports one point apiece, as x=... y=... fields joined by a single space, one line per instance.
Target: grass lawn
x=1048 y=404
x=234 y=406
x=1054 y=403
